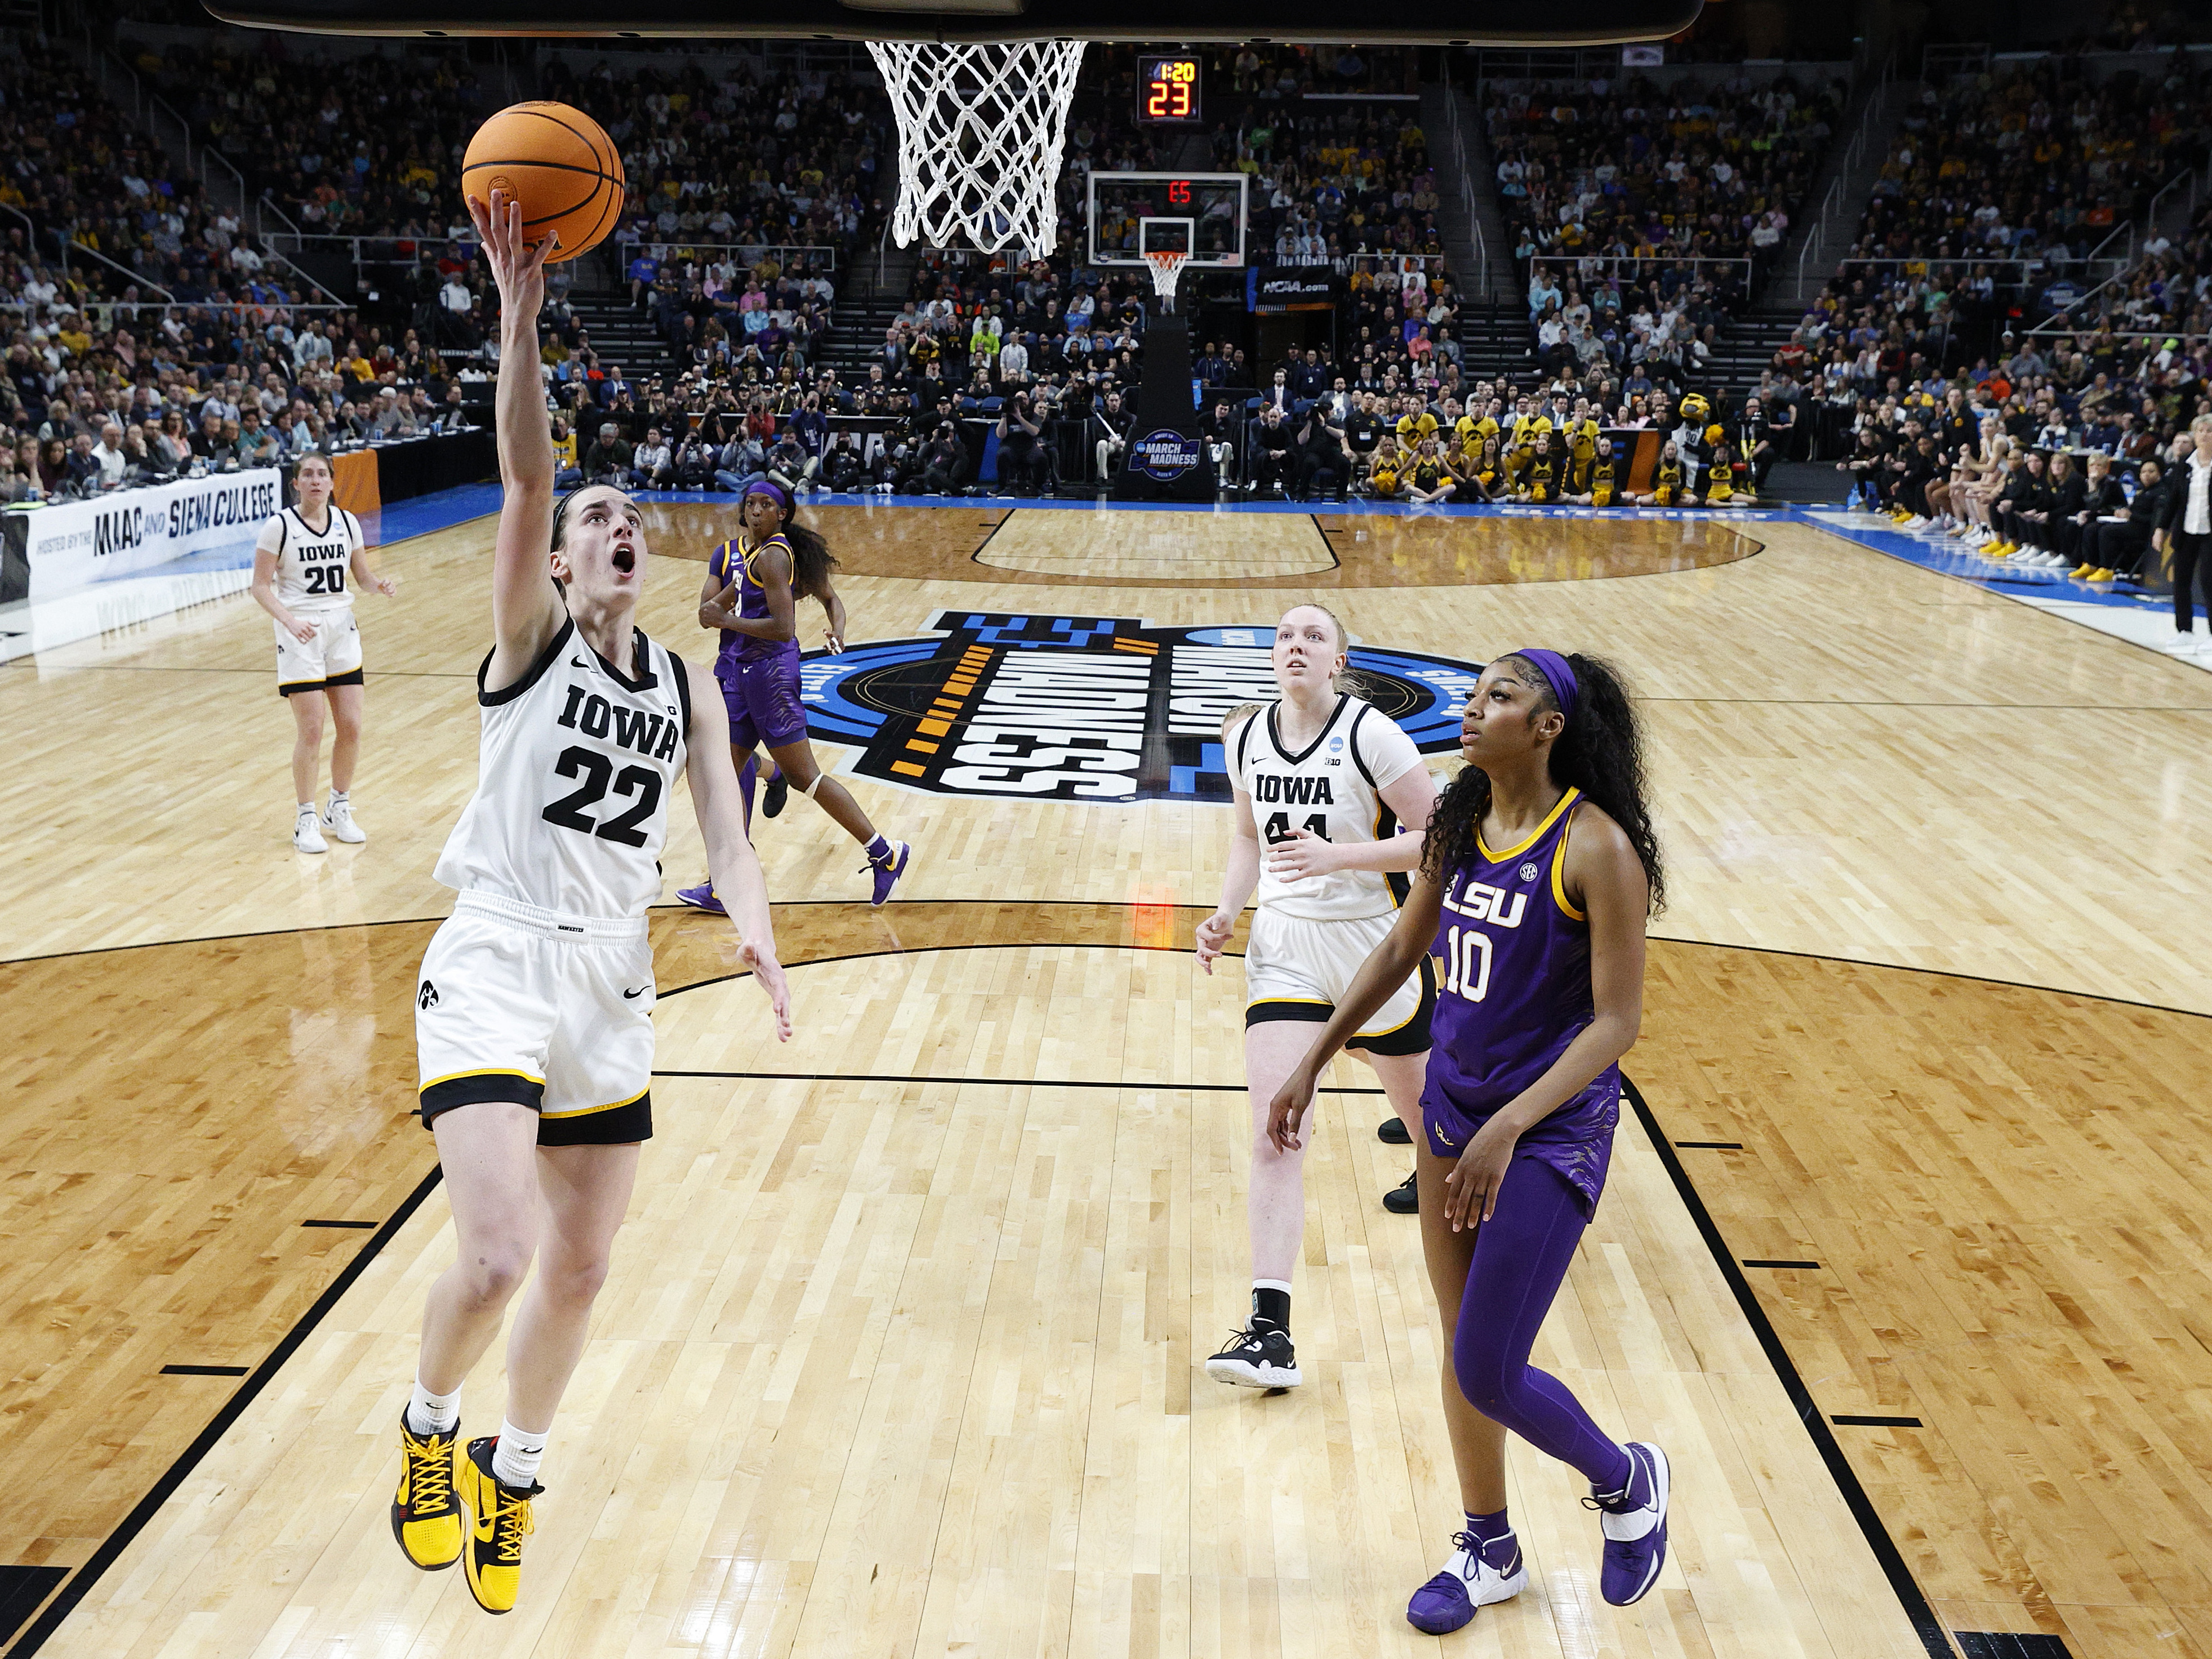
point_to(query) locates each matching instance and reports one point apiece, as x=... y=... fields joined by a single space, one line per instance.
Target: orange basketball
x=558 y=164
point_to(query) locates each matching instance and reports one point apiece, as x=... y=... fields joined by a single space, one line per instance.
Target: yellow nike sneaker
x=501 y=1521
x=425 y=1516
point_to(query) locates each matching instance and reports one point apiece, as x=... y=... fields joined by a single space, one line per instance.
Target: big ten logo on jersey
x=1085 y=708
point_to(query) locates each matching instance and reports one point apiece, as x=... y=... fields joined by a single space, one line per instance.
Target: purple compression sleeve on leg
x=1520 y=1258
x=746 y=775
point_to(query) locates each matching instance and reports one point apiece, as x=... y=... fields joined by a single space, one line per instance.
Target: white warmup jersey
x=574 y=769
x=312 y=568
x=1332 y=787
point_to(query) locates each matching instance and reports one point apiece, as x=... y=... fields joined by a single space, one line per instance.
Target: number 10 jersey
x=1332 y=787
x=575 y=766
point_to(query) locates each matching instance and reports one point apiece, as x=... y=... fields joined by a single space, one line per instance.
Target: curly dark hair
x=1601 y=753
x=811 y=561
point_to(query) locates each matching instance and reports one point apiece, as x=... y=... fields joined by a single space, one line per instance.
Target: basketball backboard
x=1129 y=215
x=1182 y=21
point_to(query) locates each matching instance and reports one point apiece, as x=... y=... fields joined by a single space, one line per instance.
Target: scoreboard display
x=1168 y=90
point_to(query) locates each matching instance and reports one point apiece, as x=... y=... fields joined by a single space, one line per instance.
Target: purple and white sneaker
x=888 y=868
x=1447 y=1602
x=1635 y=1527
x=701 y=897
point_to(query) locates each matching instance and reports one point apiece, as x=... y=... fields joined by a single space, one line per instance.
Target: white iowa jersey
x=312 y=568
x=574 y=773
x=1332 y=787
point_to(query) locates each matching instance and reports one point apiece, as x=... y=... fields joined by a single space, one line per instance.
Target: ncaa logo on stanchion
x=1166 y=455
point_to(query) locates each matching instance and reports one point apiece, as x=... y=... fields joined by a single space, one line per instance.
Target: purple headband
x=1557 y=674
x=773 y=491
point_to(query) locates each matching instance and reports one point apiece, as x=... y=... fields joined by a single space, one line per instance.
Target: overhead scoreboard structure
x=1202 y=215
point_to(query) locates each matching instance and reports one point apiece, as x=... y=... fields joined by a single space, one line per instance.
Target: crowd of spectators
x=2034 y=163
x=1634 y=170
x=731 y=162
x=78 y=172
x=146 y=336
x=99 y=394
x=1882 y=332
x=1665 y=320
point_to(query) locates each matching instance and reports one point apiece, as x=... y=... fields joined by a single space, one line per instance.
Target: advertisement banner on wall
x=211 y=522
x=1294 y=288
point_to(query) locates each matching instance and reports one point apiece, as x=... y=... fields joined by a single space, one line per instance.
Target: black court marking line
x=1711 y=1145
x=976 y=557
x=1909 y=1594
x=1750 y=1262
x=1871 y=703
x=989 y=1082
x=1054 y=944
x=21 y=1589
x=928 y=950
x=1852 y=1420
x=203 y=1370
x=677 y=908
x=1911 y=967
x=366 y=1226
x=110 y=1547
x=2013 y=1644
x=160 y=668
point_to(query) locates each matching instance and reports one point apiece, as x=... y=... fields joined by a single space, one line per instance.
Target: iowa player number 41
x=1279 y=827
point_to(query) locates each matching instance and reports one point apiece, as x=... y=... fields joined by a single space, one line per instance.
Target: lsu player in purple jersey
x=754 y=583
x=1539 y=872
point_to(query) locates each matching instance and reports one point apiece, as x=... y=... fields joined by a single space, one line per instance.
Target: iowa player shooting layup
x=533 y=1014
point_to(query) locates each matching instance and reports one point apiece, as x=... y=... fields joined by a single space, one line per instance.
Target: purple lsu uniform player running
x=754 y=583
x=759 y=677
x=1537 y=875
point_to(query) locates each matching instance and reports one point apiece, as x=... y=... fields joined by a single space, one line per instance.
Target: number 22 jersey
x=1333 y=786
x=575 y=765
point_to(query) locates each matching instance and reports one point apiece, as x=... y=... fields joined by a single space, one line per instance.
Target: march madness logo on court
x=1087 y=708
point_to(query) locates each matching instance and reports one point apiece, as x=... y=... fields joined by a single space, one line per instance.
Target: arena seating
x=1695 y=169
x=2036 y=161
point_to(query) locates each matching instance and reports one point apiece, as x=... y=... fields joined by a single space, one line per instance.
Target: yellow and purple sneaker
x=887 y=867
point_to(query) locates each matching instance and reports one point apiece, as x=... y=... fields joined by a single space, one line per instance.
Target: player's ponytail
x=811 y=561
x=1600 y=752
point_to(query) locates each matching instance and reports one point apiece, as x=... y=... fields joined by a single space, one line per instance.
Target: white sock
x=338 y=795
x=433 y=1414
x=307 y=809
x=514 y=1459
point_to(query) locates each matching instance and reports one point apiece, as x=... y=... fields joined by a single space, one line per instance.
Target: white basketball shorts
x=553 y=1012
x=1294 y=969
x=331 y=658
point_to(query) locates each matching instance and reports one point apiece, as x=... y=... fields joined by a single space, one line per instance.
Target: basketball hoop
x=980 y=131
x=1166 y=268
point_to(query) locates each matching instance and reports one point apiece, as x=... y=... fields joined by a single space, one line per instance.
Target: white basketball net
x=1166 y=267
x=980 y=131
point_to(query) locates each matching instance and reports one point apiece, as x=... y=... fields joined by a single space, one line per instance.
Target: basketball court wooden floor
x=1903 y=1259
